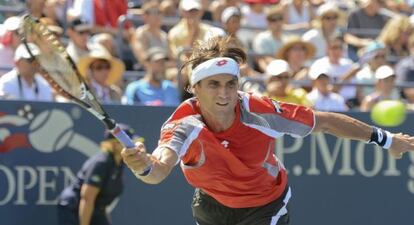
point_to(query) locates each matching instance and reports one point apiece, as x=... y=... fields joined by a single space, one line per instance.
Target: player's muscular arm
x=341 y=125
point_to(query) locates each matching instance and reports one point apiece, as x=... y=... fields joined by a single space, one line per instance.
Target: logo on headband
x=221 y=62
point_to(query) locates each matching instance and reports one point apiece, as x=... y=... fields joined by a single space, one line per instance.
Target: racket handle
x=122 y=137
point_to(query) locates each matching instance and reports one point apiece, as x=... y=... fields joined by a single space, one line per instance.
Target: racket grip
x=122 y=137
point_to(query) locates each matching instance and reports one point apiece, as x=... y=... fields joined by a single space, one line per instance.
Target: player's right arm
x=150 y=168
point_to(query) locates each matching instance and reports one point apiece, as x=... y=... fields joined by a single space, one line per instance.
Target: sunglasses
x=275 y=19
x=330 y=17
x=100 y=67
x=84 y=32
x=336 y=47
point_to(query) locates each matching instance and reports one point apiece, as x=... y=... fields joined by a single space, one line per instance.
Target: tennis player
x=224 y=141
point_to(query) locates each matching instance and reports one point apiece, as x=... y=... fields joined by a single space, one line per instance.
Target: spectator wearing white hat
x=189 y=29
x=340 y=69
x=217 y=7
x=384 y=88
x=9 y=40
x=231 y=18
x=278 y=77
x=325 y=26
x=23 y=82
x=321 y=96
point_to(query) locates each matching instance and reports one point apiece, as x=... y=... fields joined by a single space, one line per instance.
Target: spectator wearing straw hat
x=296 y=52
x=102 y=71
x=384 y=88
x=321 y=96
x=325 y=26
x=153 y=89
x=9 y=40
x=23 y=82
x=268 y=42
x=278 y=77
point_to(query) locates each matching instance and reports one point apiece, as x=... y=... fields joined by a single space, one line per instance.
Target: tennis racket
x=57 y=67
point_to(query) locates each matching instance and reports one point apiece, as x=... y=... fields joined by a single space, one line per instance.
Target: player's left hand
x=401 y=143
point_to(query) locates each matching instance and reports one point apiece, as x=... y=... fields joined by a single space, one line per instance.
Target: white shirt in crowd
x=332 y=102
x=335 y=71
x=11 y=88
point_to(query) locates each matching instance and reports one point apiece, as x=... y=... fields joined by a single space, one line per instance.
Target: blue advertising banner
x=334 y=181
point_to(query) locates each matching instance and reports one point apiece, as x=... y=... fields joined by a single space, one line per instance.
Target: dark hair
x=213 y=48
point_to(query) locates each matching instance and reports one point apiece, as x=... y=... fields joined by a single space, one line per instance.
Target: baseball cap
x=12 y=23
x=327 y=8
x=315 y=71
x=156 y=53
x=277 y=67
x=188 y=5
x=370 y=51
x=229 y=12
x=383 y=72
x=79 y=25
x=22 y=53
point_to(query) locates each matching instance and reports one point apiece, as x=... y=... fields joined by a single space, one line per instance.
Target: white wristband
x=388 y=143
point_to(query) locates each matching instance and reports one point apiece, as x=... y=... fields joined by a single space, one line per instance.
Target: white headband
x=213 y=67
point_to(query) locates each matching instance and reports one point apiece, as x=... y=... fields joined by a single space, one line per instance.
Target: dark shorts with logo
x=208 y=211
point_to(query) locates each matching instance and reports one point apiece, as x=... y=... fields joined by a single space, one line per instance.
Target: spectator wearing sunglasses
x=23 y=82
x=321 y=96
x=278 y=77
x=268 y=42
x=102 y=71
x=78 y=32
x=325 y=26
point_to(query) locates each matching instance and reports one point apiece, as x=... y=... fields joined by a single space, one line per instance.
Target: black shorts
x=208 y=211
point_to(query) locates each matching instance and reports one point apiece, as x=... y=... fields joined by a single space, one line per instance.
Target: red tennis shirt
x=238 y=166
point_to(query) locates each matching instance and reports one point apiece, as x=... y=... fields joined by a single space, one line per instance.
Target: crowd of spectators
x=332 y=55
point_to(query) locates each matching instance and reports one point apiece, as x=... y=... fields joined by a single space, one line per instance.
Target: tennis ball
x=388 y=113
x=51 y=130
